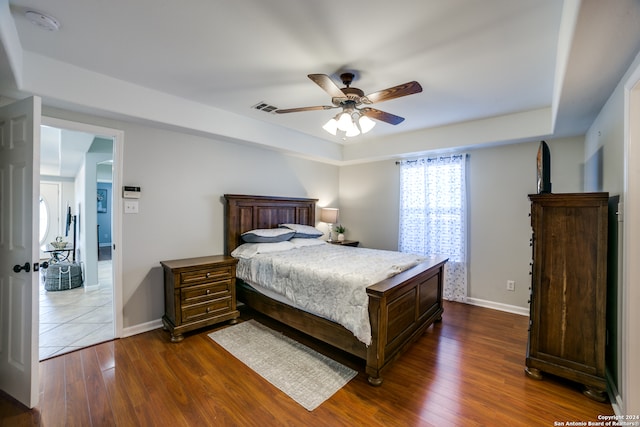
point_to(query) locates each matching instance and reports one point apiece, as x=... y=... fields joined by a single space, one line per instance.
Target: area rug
x=305 y=375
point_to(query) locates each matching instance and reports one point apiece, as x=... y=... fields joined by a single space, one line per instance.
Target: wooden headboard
x=244 y=213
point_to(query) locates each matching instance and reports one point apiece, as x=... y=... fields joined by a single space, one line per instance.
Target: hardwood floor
x=467 y=370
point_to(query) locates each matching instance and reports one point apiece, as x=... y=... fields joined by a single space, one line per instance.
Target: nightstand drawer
x=197 y=312
x=198 y=292
x=205 y=275
x=210 y=291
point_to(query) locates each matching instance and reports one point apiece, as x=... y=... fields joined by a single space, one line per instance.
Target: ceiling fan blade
x=327 y=85
x=382 y=116
x=296 y=110
x=393 y=92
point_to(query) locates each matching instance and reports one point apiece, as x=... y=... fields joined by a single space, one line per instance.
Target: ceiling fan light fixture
x=366 y=124
x=352 y=120
x=331 y=126
x=352 y=123
x=353 y=130
x=345 y=122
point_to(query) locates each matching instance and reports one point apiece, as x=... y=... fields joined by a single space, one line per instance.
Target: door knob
x=18 y=268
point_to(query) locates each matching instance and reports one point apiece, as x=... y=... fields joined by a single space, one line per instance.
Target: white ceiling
x=523 y=69
x=62 y=151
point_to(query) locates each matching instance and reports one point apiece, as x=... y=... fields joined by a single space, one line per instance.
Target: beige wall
x=183 y=178
x=369 y=204
x=499 y=180
x=606 y=139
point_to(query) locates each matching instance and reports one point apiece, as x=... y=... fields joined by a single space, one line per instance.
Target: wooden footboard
x=400 y=309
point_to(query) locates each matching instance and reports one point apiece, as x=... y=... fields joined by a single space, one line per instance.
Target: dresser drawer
x=206 y=275
x=206 y=310
x=206 y=292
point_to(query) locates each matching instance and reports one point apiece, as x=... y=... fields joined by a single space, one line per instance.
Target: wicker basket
x=63 y=276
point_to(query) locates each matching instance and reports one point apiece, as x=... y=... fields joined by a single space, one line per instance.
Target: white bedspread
x=327 y=280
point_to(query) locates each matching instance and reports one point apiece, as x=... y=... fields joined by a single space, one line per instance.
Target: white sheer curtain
x=433 y=216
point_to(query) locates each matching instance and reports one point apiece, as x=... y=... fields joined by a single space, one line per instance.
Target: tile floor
x=76 y=318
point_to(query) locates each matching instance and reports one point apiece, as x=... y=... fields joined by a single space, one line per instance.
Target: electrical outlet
x=131 y=206
x=511 y=285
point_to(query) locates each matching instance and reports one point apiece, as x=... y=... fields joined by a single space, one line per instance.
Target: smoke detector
x=46 y=22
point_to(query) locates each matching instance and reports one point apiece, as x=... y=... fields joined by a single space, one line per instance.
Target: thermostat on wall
x=130 y=192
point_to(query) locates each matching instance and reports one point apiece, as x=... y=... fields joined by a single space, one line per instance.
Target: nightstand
x=198 y=292
x=353 y=243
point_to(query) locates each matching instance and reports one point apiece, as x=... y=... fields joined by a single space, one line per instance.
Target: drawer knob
x=208 y=274
x=208 y=291
x=208 y=309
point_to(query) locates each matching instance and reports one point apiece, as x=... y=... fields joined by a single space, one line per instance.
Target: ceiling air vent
x=263 y=106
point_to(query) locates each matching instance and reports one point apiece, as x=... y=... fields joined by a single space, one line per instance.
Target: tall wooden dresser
x=567 y=326
x=198 y=292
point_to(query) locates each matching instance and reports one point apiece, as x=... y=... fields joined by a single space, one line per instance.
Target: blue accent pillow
x=267 y=235
x=303 y=231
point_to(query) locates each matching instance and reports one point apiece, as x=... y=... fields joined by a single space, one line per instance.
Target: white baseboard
x=155 y=324
x=614 y=395
x=89 y=288
x=143 y=327
x=523 y=311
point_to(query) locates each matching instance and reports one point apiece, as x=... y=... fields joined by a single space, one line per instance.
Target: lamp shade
x=353 y=130
x=331 y=126
x=366 y=124
x=345 y=122
x=329 y=215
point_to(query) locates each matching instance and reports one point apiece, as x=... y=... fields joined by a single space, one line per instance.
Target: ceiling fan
x=354 y=118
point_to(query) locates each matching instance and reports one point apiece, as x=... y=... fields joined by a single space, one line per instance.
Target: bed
x=400 y=308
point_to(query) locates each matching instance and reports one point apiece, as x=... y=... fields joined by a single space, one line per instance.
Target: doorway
x=86 y=172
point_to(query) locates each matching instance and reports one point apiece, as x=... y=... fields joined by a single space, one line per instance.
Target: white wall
x=89 y=217
x=78 y=209
x=499 y=179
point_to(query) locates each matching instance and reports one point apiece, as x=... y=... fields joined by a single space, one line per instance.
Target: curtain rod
x=453 y=156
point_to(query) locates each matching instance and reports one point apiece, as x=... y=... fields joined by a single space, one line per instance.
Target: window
x=433 y=216
x=44 y=220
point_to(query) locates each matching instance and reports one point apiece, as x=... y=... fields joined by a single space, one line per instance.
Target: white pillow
x=301 y=243
x=249 y=250
x=303 y=231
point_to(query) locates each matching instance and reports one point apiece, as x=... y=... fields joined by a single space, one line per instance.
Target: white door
x=19 y=189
